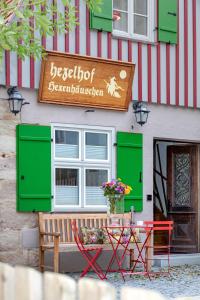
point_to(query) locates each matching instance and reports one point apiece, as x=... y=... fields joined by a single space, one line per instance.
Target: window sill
x=80 y=210
x=138 y=38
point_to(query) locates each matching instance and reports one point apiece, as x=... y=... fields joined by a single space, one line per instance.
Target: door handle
x=172 y=13
x=22 y=177
x=140 y=177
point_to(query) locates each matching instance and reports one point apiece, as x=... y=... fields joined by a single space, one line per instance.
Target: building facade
x=64 y=152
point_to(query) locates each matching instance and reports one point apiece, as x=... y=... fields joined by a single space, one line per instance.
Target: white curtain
x=67 y=195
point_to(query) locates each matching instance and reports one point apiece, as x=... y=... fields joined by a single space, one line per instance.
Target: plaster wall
x=164 y=122
x=167 y=122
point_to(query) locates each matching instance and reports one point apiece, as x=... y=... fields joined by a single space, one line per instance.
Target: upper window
x=67 y=144
x=134 y=18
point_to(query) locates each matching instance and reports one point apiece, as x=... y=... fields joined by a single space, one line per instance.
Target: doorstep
x=177 y=260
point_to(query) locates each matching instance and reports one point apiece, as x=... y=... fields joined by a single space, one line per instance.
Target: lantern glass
x=141 y=113
x=15 y=105
x=15 y=100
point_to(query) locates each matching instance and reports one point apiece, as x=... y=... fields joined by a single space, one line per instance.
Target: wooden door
x=182 y=187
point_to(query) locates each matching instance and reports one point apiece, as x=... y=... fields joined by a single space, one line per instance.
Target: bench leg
x=41 y=260
x=56 y=262
x=56 y=255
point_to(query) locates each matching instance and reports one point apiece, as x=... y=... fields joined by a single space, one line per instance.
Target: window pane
x=96 y=146
x=140 y=7
x=140 y=25
x=67 y=144
x=122 y=23
x=94 y=179
x=67 y=186
x=120 y=4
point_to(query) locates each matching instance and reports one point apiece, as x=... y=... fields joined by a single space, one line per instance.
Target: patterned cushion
x=100 y=236
x=126 y=236
x=116 y=232
x=92 y=235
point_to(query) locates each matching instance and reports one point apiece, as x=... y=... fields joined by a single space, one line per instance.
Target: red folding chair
x=87 y=254
x=164 y=230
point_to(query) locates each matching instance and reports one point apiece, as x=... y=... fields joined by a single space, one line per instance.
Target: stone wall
x=11 y=222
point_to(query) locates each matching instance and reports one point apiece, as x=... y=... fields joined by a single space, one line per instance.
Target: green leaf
x=5 y=45
x=11 y=41
x=66 y=2
x=1 y=20
x=19 y=14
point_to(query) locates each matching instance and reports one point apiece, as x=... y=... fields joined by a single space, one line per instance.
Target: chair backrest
x=159 y=225
x=161 y=231
x=76 y=235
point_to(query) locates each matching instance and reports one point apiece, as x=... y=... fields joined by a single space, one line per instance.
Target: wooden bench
x=55 y=232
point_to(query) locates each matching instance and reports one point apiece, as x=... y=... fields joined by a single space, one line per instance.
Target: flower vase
x=115 y=204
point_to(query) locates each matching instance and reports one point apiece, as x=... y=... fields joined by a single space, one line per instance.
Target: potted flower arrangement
x=115 y=190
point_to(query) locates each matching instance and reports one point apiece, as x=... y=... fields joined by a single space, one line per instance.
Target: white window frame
x=82 y=164
x=150 y=24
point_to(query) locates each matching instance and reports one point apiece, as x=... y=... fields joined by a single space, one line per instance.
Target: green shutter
x=167 y=21
x=129 y=167
x=33 y=168
x=103 y=19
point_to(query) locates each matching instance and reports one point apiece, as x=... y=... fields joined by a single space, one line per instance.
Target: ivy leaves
x=23 y=23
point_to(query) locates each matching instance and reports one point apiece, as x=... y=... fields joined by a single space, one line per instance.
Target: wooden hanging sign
x=76 y=80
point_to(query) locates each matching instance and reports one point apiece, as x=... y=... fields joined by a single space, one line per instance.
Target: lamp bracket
x=24 y=103
x=89 y=110
x=136 y=104
x=11 y=89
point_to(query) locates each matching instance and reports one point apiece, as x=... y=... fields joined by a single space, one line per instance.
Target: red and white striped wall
x=165 y=74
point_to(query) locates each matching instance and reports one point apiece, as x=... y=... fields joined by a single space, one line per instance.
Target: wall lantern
x=15 y=100
x=141 y=112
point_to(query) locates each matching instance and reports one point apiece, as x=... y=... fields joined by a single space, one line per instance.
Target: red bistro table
x=120 y=242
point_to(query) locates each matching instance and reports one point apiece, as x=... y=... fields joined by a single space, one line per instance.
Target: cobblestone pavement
x=183 y=282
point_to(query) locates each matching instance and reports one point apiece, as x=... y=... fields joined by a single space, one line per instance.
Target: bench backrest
x=61 y=223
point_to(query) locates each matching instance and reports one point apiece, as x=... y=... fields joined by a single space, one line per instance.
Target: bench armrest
x=56 y=234
x=55 y=247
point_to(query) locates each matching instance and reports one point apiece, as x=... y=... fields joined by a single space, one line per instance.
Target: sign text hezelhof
x=85 y=81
